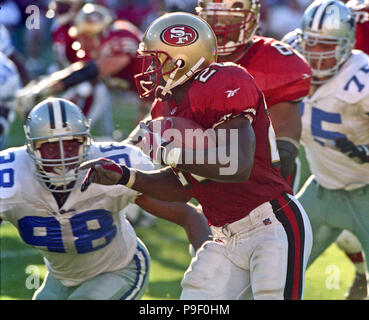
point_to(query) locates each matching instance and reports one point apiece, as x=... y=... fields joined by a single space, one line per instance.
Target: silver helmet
x=56 y=121
x=327 y=23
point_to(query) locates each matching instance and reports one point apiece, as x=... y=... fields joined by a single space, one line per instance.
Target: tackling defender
x=90 y=249
x=263 y=236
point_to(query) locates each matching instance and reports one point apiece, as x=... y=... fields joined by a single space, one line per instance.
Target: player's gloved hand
x=288 y=151
x=106 y=172
x=156 y=147
x=359 y=153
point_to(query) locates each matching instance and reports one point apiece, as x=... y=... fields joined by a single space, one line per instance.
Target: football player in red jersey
x=281 y=73
x=262 y=234
x=109 y=48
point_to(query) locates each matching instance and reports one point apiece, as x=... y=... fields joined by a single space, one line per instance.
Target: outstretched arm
x=104 y=66
x=183 y=214
x=160 y=184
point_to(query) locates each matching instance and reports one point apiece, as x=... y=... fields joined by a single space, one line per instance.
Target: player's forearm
x=161 y=184
x=197 y=229
x=286 y=120
x=218 y=164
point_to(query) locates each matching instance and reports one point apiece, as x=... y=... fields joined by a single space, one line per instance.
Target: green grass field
x=22 y=269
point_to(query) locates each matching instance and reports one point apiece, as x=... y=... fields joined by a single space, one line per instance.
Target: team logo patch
x=267 y=221
x=179 y=35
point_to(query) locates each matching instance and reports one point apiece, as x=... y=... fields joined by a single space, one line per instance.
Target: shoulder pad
x=14 y=166
x=353 y=78
x=122 y=153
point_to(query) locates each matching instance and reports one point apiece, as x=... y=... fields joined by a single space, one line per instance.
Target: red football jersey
x=216 y=94
x=123 y=38
x=362 y=28
x=281 y=73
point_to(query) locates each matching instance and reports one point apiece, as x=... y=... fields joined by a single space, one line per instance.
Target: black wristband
x=126 y=174
x=89 y=72
x=287 y=153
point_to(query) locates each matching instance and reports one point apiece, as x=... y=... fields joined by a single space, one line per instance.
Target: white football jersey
x=339 y=108
x=86 y=236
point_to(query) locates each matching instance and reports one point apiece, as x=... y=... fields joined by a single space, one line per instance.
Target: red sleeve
x=362 y=31
x=231 y=92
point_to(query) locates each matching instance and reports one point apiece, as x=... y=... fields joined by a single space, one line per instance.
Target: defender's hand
x=359 y=153
x=102 y=171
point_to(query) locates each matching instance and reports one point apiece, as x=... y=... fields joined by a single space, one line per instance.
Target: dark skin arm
x=240 y=150
x=161 y=184
x=184 y=214
x=164 y=184
x=286 y=120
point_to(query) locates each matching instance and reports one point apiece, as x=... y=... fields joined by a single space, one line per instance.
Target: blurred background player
x=341 y=175
x=280 y=72
x=91 y=95
x=90 y=249
x=109 y=47
x=347 y=241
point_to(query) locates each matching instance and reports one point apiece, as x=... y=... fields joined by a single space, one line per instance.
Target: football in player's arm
x=90 y=249
x=249 y=206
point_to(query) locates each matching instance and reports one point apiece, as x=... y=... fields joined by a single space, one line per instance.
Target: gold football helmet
x=233 y=21
x=175 y=47
x=92 y=19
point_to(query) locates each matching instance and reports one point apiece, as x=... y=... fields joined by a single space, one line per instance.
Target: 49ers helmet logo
x=179 y=35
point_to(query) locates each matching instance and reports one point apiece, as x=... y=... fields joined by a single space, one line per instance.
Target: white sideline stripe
x=6 y=254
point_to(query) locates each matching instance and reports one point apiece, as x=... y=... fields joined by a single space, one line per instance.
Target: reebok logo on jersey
x=231 y=93
x=305 y=76
x=174 y=111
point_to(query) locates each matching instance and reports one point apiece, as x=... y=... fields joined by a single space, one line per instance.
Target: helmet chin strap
x=170 y=85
